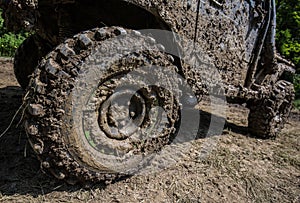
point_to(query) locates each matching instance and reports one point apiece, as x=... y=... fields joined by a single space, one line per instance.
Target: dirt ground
x=239 y=168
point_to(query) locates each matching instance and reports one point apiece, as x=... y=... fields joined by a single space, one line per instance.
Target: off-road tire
x=268 y=116
x=27 y=57
x=50 y=121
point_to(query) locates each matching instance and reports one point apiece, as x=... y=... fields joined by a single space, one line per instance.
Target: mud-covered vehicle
x=73 y=36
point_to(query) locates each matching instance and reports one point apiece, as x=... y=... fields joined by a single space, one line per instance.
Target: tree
x=288 y=34
x=288 y=30
x=9 y=42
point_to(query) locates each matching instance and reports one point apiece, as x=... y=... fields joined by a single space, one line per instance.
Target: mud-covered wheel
x=100 y=104
x=27 y=57
x=268 y=116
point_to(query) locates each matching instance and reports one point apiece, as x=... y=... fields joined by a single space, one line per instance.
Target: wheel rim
x=126 y=117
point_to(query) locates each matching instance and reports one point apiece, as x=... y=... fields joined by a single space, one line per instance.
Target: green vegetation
x=288 y=30
x=297 y=104
x=9 y=42
x=288 y=37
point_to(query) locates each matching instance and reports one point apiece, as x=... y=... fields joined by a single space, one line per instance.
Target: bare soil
x=240 y=168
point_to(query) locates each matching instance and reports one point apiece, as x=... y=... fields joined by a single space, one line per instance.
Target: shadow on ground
x=19 y=169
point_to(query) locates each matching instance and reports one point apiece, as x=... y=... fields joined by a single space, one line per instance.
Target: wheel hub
x=121 y=114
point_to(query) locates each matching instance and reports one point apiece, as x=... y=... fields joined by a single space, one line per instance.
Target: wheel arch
x=85 y=15
x=82 y=15
x=129 y=15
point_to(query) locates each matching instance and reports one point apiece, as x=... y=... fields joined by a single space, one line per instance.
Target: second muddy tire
x=27 y=57
x=268 y=116
x=75 y=105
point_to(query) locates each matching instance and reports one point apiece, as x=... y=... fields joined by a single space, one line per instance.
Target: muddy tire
x=27 y=57
x=75 y=105
x=267 y=117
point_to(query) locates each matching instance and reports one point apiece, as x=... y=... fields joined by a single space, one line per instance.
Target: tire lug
x=46 y=165
x=120 y=31
x=66 y=51
x=100 y=34
x=52 y=67
x=84 y=40
x=60 y=164
x=36 y=110
x=63 y=74
x=161 y=47
x=39 y=87
x=151 y=40
x=59 y=175
x=136 y=33
x=38 y=148
x=31 y=129
x=171 y=58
